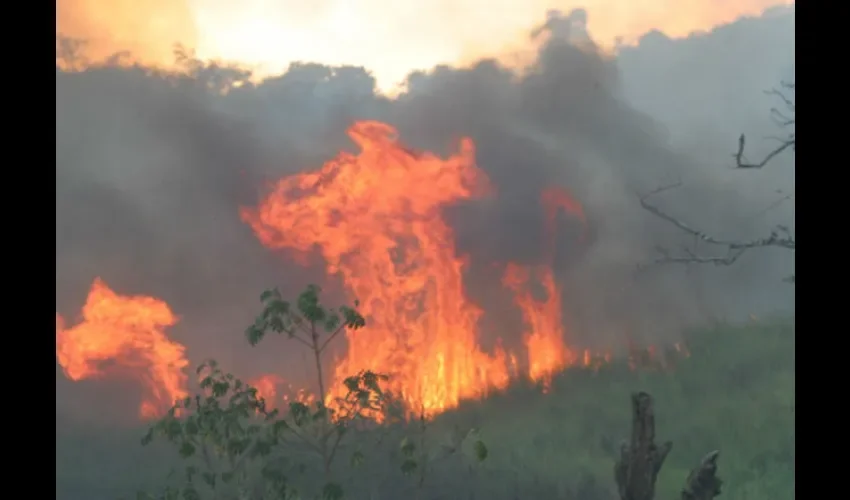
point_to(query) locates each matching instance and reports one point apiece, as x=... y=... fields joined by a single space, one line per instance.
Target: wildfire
x=129 y=333
x=376 y=219
x=268 y=386
x=547 y=350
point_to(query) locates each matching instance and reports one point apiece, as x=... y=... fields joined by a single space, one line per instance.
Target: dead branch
x=782 y=119
x=640 y=460
x=702 y=482
x=731 y=249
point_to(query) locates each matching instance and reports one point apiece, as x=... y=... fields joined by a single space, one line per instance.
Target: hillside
x=735 y=392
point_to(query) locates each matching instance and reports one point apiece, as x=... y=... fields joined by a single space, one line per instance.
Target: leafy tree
x=230 y=441
x=236 y=447
x=315 y=327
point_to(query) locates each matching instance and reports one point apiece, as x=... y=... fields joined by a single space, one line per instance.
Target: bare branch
x=782 y=119
x=740 y=162
x=732 y=249
x=729 y=251
x=331 y=337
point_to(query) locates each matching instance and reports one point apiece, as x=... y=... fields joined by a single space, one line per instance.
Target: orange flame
x=130 y=332
x=267 y=388
x=544 y=340
x=376 y=218
x=547 y=352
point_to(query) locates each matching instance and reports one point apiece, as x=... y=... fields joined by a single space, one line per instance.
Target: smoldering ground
x=152 y=168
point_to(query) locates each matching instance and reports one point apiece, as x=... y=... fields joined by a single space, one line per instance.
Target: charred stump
x=703 y=483
x=641 y=459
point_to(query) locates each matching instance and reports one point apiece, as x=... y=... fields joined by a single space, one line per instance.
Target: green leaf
x=190 y=493
x=192 y=426
x=279 y=428
x=480 y=451
x=408 y=467
x=321 y=413
x=271 y=472
x=209 y=478
x=352 y=383
x=261 y=448
x=254 y=334
x=147 y=438
x=269 y=294
x=300 y=412
x=236 y=447
x=220 y=388
x=332 y=491
x=226 y=477
x=187 y=449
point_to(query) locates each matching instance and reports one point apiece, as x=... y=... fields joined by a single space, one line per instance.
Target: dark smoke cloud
x=151 y=170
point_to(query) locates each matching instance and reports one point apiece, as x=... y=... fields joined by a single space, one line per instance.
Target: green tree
x=315 y=327
x=236 y=447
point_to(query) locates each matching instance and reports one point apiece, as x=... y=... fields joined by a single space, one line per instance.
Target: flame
x=376 y=218
x=544 y=340
x=268 y=386
x=555 y=198
x=128 y=331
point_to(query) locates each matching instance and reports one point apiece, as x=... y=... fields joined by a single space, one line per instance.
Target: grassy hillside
x=734 y=393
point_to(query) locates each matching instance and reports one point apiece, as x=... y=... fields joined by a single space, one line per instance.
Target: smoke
x=270 y=34
x=152 y=168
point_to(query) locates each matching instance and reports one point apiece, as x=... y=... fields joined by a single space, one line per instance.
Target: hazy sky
x=391 y=38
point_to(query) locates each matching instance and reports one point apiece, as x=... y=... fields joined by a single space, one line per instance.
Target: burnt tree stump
x=641 y=459
x=703 y=483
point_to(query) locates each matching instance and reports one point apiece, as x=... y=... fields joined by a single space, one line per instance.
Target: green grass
x=735 y=393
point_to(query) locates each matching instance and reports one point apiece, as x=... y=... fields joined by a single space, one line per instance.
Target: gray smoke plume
x=152 y=168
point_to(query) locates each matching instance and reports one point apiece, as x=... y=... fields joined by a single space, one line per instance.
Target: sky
x=390 y=38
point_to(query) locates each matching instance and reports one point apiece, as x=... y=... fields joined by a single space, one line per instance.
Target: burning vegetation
x=376 y=218
x=128 y=334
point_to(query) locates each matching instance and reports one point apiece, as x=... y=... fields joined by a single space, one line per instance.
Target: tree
x=236 y=445
x=731 y=250
x=315 y=327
